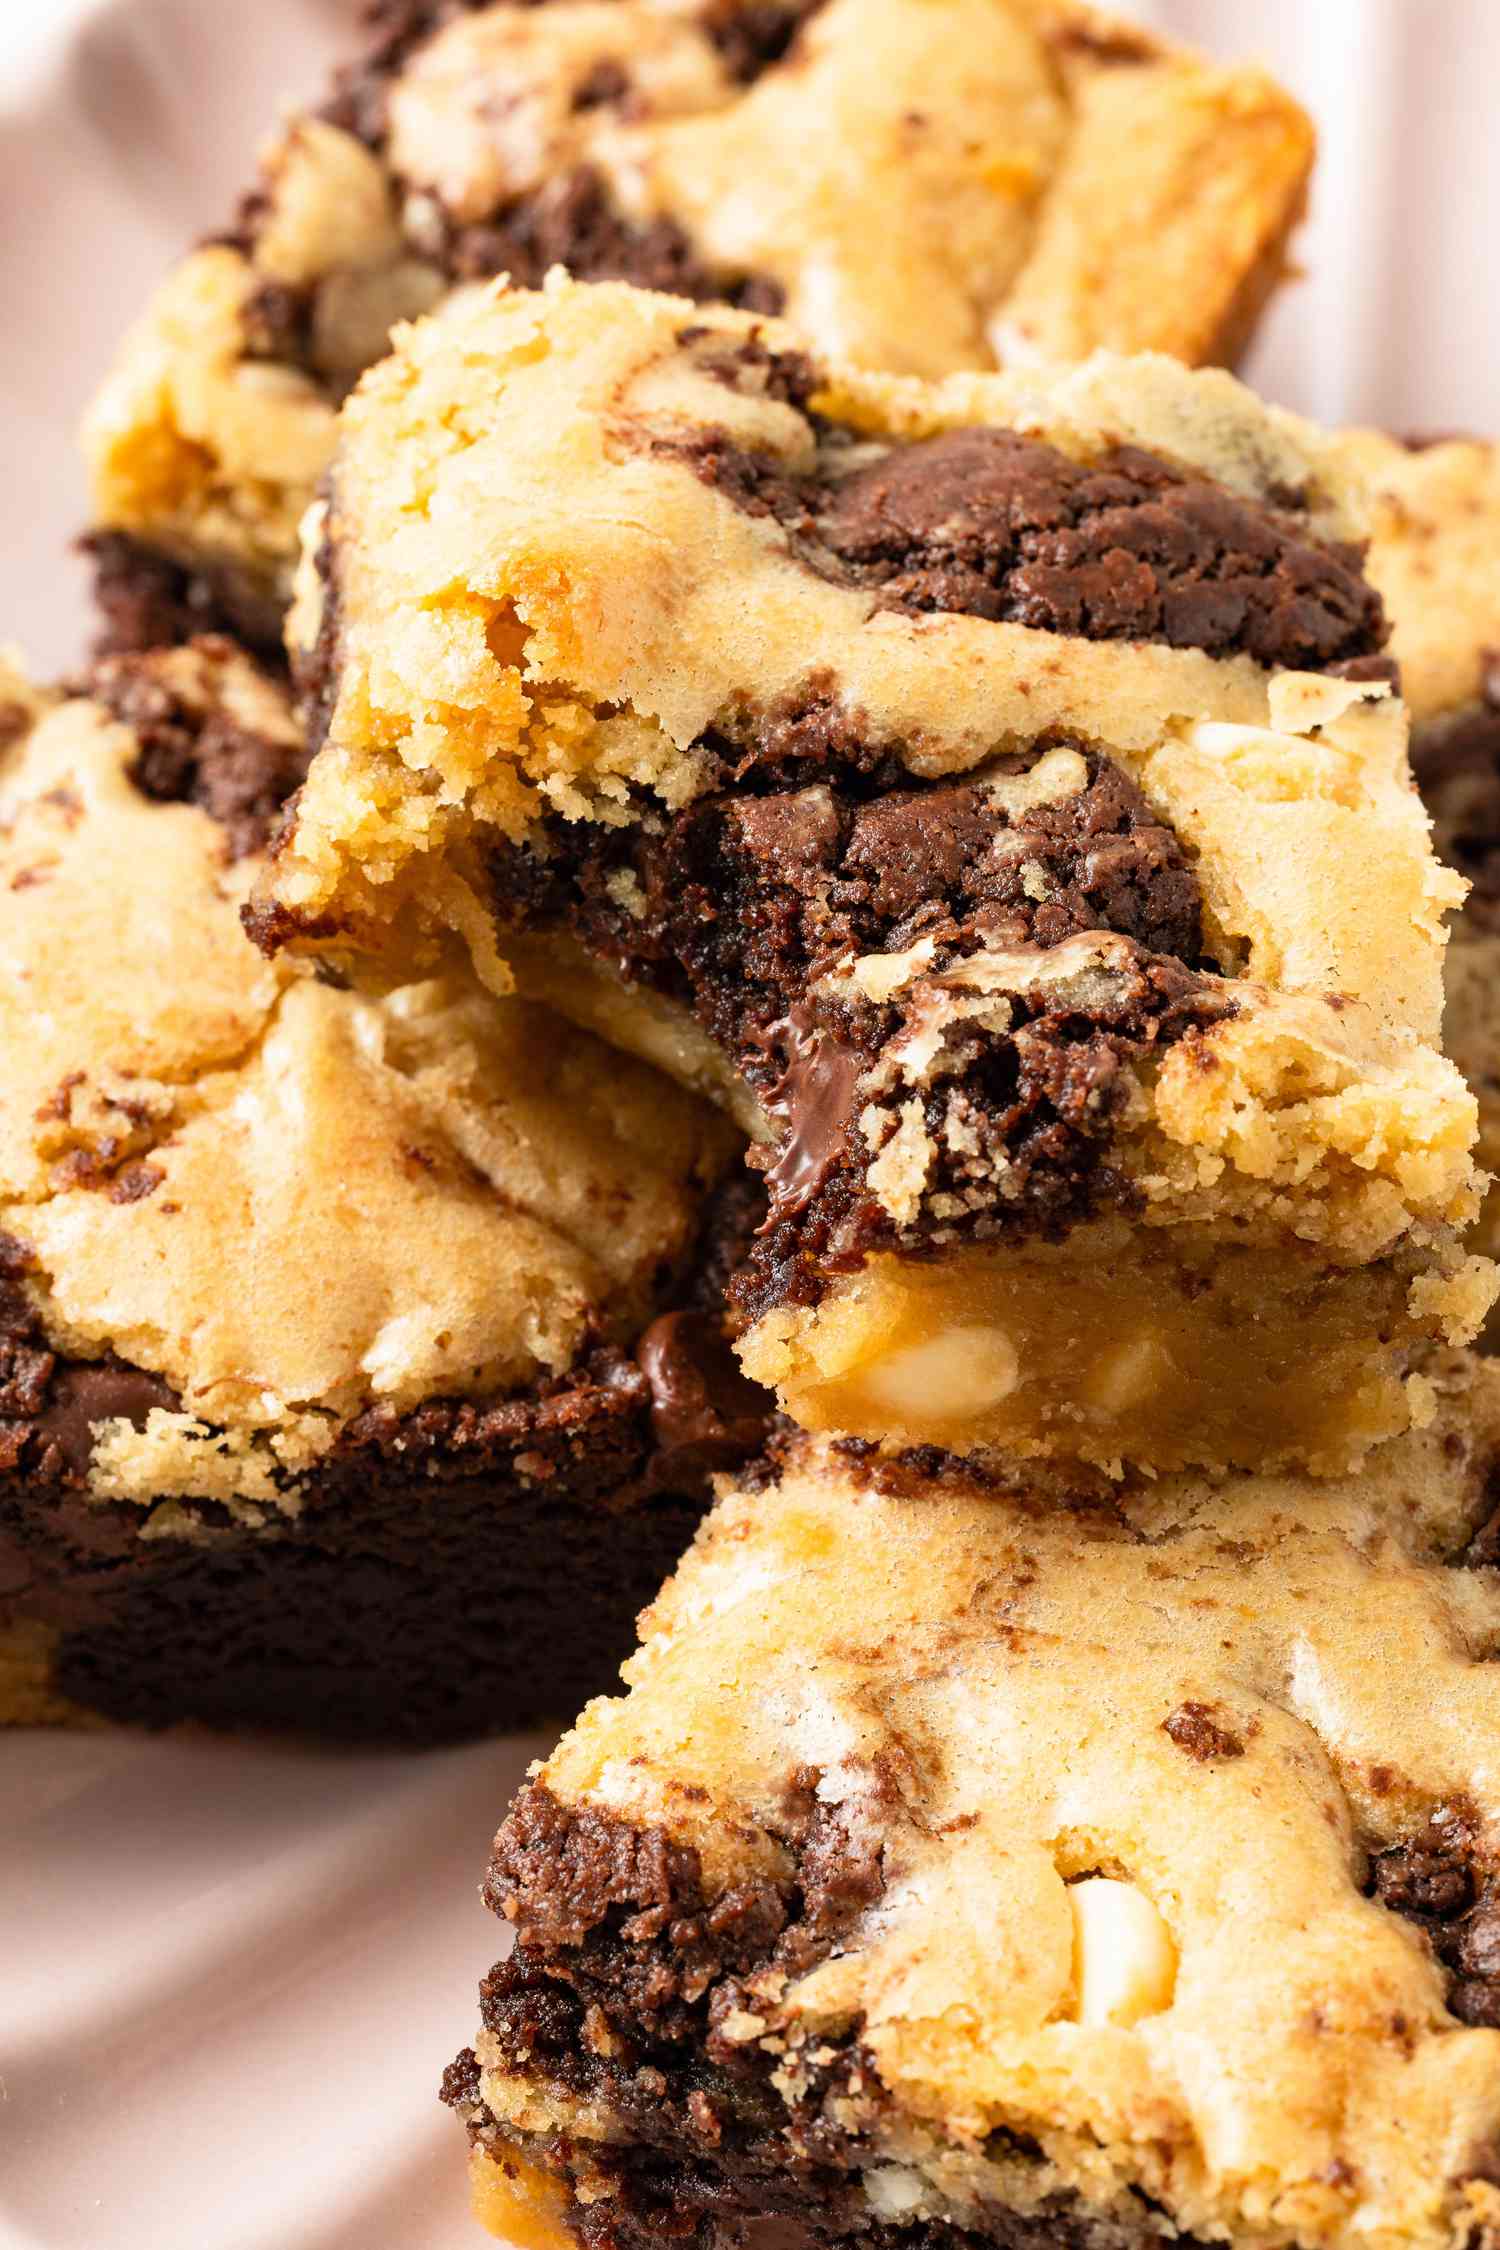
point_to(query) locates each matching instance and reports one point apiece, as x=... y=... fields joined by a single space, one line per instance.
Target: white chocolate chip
x=959 y=1371
x=894 y=2191
x=1054 y=778
x=1130 y=1375
x=1124 y=1961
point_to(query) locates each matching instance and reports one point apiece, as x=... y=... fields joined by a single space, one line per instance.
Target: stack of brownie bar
x=738 y=899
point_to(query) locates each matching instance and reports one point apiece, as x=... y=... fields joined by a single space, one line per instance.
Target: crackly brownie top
x=1147 y=1842
x=589 y=554
x=288 y=1203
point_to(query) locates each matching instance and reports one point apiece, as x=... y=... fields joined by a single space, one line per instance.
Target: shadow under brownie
x=938 y=184
x=1069 y=1868
x=361 y=1365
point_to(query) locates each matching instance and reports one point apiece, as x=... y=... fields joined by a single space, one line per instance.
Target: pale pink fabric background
x=231 y=1977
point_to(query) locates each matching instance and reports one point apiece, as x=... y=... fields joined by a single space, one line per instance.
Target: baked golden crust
x=938 y=183
x=1117 y=1801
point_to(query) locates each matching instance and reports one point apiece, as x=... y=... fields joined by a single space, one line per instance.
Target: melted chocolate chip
x=813 y=1101
x=705 y=1415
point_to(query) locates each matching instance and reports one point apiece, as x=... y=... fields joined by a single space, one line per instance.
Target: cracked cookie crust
x=971 y=1863
x=992 y=790
x=346 y=1346
x=940 y=184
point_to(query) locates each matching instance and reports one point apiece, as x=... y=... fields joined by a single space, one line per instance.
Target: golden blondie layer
x=934 y=184
x=971 y=1864
x=992 y=789
x=349 y=1349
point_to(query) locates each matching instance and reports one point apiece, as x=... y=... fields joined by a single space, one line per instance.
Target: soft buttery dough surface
x=286 y=1200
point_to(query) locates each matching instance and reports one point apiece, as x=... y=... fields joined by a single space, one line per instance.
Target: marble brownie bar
x=351 y=1375
x=989 y=786
x=971 y=1865
x=936 y=183
x=1435 y=554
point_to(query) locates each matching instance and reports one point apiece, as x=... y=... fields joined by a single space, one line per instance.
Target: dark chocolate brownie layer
x=572 y=220
x=145 y=600
x=737 y=906
x=623 y=1973
x=416 y=1592
x=190 y=754
x=1003 y=526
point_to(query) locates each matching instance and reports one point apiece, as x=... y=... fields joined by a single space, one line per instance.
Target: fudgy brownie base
x=446 y=1573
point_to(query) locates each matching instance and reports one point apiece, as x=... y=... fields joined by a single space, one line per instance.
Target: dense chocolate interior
x=420 y=1590
x=144 y=600
x=994 y=524
x=736 y=906
x=189 y=754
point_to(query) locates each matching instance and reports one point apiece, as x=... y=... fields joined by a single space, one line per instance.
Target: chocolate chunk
x=1439 y=1881
x=705 y=1415
x=82 y=1396
x=993 y=524
x=1195 y=1729
x=190 y=755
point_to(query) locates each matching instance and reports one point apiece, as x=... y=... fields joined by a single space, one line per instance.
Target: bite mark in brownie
x=741 y=905
x=990 y=523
